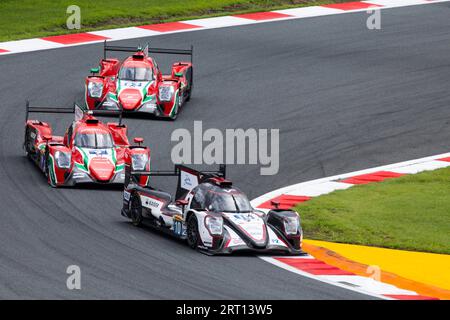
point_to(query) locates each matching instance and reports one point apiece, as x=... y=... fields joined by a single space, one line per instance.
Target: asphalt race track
x=344 y=98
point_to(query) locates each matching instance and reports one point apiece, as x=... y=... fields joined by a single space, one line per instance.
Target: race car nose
x=101 y=169
x=130 y=99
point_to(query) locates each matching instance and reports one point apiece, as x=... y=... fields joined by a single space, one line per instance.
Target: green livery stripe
x=175 y=105
x=120 y=167
x=52 y=172
x=148 y=98
x=144 y=90
x=85 y=158
x=113 y=97
x=80 y=166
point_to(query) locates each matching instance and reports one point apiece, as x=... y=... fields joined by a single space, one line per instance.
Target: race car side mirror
x=138 y=140
x=95 y=70
x=182 y=203
x=47 y=137
x=275 y=203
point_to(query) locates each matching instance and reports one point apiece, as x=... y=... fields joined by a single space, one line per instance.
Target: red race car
x=137 y=85
x=89 y=152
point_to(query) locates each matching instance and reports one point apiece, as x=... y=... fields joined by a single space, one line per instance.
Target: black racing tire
x=175 y=115
x=188 y=97
x=136 y=211
x=192 y=234
x=26 y=143
x=190 y=79
x=47 y=172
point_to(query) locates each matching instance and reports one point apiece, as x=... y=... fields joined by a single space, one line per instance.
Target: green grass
x=409 y=213
x=22 y=19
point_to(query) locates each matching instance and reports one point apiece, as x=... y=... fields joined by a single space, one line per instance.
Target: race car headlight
x=166 y=93
x=139 y=161
x=63 y=159
x=95 y=89
x=214 y=225
x=291 y=225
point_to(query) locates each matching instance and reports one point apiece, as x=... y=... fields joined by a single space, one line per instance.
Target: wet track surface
x=344 y=98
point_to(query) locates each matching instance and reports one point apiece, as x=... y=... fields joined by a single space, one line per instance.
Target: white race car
x=209 y=213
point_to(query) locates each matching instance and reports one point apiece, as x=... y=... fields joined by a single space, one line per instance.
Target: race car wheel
x=174 y=116
x=136 y=211
x=48 y=170
x=27 y=143
x=193 y=236
x=189 y=75
x=177 y=108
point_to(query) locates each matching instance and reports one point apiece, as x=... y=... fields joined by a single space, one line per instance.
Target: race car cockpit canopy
x=220 y=199
x=188 y=178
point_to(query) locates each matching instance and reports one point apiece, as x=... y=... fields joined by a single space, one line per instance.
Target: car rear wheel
x=49 y=172
x=136 y=211
x=189 y=77
x=193 y=237
x=27 y=142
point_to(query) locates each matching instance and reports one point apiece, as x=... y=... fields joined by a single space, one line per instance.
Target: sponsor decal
x=98 y=153
x=249 y=223
x=151 y=203
x=142 y=87
x=275 y=241
x=132 y=84
x=242 y=218
x=126 y=196
x=188 y=180
x=88 y=154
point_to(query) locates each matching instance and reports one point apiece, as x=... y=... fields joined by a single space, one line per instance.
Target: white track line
x=413 y=166
x=28 y=45
x=321 y=278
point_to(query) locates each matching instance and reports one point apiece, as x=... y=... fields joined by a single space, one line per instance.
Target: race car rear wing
x=188 y=178
x=30 y=109
x=107 y=113
x=75 y=109
x=147 y=50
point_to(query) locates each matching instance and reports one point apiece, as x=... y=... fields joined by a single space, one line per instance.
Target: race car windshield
x=228 y=202
x=135 y=74
x=93 y=140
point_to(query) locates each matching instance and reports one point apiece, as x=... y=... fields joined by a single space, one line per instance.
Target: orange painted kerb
x=360 y=268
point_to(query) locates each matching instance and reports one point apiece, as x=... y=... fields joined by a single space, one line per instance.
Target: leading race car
x=210 y=213
x=137 y=85
x=89 y=152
